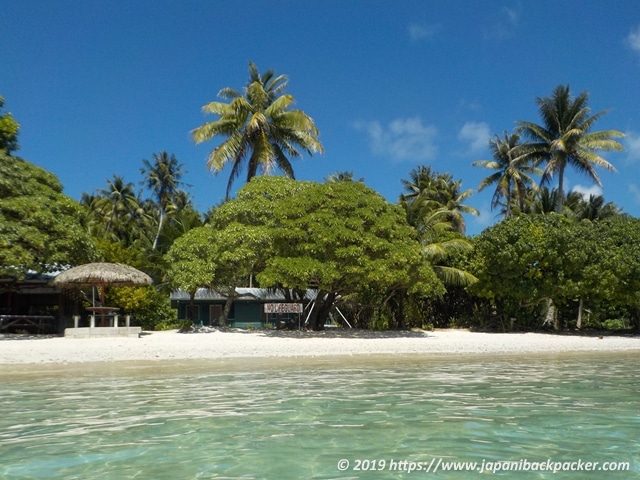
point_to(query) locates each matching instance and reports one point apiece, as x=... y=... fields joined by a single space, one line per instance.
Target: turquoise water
x=278 y=419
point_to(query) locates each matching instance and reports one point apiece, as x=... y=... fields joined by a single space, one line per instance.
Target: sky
x=99 y=85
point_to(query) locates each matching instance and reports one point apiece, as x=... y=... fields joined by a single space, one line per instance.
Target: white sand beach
x=171 y=345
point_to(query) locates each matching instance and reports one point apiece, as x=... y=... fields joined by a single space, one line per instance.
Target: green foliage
x=191 y=259
x=139 y=231
x=432 y=205
x=432 y=198
x=517 y=264
x=172 y=324
x=338 y=236
x=8 y=131
x=523 y=261
x=341 y=238
x=513 y=168
x=39 y=227
x=217 y=258
x=163 y=178
x=149 y=308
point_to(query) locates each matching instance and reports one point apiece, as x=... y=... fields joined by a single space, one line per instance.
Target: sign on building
x=282 y=308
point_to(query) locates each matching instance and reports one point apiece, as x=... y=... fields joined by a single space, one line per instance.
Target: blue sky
x=99 y=85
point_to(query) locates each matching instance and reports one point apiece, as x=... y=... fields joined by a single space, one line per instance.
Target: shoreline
x=153 y=347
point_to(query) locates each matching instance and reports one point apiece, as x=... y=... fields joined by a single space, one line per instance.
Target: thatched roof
x=112 y=274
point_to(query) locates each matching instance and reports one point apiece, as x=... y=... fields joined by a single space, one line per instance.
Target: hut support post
x=92 y=321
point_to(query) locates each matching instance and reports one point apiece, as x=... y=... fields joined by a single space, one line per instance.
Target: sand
x=229 y=344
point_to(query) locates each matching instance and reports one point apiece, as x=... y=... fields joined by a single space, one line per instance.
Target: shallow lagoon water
x=302 y=418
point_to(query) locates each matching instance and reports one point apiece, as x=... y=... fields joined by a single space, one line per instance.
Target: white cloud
x=418 y=32
x=477 y=134
x=634 y=39
x=594 y=190
x=632 y=145
x=511 y=14
x=505 y=24
x=401 y=139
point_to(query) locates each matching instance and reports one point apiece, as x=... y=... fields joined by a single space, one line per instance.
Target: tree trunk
x=551 y=317
x=635 y=317
x=398 y=310
x=560 y=199
x=192 y=305
x=320 y=309
x=160 y=222
x=222 y=319
x=579 y=322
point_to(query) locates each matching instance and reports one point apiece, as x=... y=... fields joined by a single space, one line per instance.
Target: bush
x=148 y=308
x=615 y=324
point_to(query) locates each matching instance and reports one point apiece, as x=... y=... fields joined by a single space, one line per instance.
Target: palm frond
x=454 y=276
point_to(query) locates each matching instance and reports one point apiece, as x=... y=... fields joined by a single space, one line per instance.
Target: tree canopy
x=526 y=261
x=8 y=131
x=39 y=226
x=339 y=238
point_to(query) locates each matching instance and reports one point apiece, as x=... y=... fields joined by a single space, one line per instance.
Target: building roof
x=246 y=294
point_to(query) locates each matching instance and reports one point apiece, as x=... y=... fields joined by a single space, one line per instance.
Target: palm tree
x=564 y=138
x=163 y=179
x=511 y=162
x=440 y=243
x=449 y=194
x=432 y=204
x=118 y=203
x=594 y=208
x=259 y=127
x=427 y=191
x=342 y=176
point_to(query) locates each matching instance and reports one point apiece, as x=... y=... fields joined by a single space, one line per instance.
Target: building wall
x=243 y=314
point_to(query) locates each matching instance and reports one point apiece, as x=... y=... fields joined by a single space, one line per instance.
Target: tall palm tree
x=260 y=128
x=565 y=137
x=451 y=197
x=594 y=208
x=542 y=201
x=428 y=190
x=162 y=177
x=118 y=204
x=432 y=204
x=511 y=162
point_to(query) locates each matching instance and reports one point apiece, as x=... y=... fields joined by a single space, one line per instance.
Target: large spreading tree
x=341 y=239
x=260 y=128
x=39 y=226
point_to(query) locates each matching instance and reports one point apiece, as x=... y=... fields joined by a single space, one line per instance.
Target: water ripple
x=295 y=423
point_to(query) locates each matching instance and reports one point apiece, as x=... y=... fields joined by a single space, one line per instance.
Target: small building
x=253 y=308
x=32 y=305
